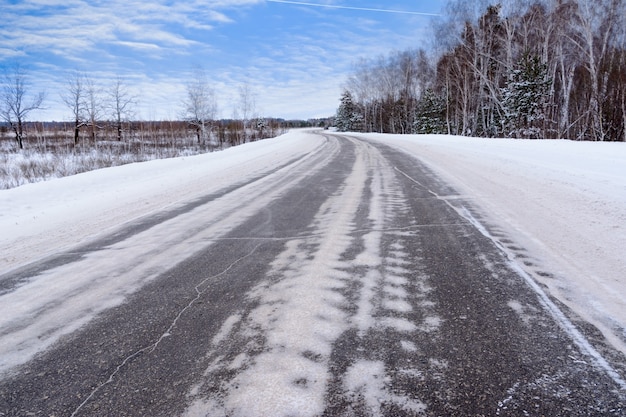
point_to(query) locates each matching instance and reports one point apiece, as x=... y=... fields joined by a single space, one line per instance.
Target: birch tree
x=121 y=105
x=595 y=24
x=200 y=106
x=247 y=107
x=93 y=106
x=74 y=99
x=570 y=85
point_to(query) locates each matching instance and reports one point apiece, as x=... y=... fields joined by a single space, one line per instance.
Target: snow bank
x=562 y=202
x=42 y=218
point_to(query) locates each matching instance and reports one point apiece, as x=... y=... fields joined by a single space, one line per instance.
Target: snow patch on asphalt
x=367 y=383
x=302 y=311
x=299 y=317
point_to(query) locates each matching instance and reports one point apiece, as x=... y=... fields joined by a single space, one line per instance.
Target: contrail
x=330 y=6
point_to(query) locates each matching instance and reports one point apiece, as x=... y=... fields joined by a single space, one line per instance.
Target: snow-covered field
x=562 y=202
x=42 y=218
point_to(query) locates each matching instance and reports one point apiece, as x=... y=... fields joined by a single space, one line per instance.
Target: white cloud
x=147 y=47
x=78 y=26
x=295 y=58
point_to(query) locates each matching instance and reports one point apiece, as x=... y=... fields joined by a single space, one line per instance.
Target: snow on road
x=561 y=208
x=301 y=315
x=45 y=217
x=563 y=203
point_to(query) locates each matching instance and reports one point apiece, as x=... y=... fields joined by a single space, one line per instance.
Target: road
x=350 y=281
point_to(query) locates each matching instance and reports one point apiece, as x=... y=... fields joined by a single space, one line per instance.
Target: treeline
x=99 y=113
x=542 y=69
x=50 y=151
x=48 y=136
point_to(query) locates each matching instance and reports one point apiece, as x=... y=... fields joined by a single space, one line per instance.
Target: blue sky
x=294 y=57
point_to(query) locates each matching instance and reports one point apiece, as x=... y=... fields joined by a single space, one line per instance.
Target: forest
x=517 y=69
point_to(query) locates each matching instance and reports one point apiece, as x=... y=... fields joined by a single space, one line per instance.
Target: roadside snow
x=39 y=219
x=561 y=204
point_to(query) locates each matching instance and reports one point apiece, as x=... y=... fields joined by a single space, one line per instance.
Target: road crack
x=168 y=332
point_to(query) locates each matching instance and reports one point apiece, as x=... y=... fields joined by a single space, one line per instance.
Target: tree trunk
x=18 y=135
x=119 y=131
x=624 y=116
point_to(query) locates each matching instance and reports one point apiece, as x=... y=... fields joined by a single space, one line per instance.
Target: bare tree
x=360 y=86
x=122 y=104
x=200 y=106
x=93 y=106
x=14 y=105
x=74 y=98
x=594 y=27
x=569 y=54
x=246 y=107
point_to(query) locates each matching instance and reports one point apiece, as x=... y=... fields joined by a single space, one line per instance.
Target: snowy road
x=340 y=277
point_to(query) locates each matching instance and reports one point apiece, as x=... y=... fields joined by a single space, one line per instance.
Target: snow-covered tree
x=430 y=117
x=200 y=106
x=348 y=117
x=524 y=97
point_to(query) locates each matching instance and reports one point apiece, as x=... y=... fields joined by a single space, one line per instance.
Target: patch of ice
x=396 y=291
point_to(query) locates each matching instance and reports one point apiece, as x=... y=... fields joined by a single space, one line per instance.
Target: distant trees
x=542 y=68
x=91 y=106
x=387 y=90
x=15 y=103
x=77 y=98
x=98 y=111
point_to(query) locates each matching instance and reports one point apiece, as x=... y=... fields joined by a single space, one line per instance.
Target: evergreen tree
x=348 y=117
x=524 y=97
x=430 y=117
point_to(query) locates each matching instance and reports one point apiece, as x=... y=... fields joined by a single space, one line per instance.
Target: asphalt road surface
x=349 y=282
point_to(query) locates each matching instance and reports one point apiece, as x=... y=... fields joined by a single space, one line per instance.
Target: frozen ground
x=562 y=202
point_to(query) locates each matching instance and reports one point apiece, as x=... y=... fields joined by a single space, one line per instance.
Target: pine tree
x=430 y=117
x=524 y=97
x=348 y=117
